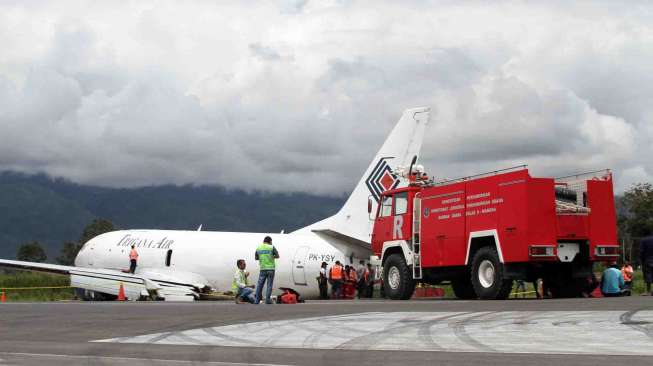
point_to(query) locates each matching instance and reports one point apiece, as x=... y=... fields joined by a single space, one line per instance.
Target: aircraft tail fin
x=400 y=149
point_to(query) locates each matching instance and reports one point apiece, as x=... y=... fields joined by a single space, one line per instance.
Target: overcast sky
x=299 y=95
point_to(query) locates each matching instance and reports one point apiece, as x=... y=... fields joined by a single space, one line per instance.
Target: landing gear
x=89 y=295
x=398 y=282
x=487 y=275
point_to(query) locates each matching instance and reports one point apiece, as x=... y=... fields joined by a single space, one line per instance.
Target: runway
x=574 y=331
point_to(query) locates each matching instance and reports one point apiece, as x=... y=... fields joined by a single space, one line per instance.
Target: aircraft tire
x=487 y=275
x=398 y=282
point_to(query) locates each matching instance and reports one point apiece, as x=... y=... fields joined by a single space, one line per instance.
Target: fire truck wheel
x=487 y=275
x=398 y=281
x=463 y=289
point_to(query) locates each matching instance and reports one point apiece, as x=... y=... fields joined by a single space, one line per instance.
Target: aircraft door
x=169 y=258
x=299 y=266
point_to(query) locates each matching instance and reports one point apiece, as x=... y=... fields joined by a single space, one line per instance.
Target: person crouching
x=240 y=285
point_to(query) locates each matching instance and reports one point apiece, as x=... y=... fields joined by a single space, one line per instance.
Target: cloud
x=263 y=52
x=138 y=93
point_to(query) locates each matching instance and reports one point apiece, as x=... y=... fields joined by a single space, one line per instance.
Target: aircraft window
x=168 y=258
x=401 y=203
x=386 y=206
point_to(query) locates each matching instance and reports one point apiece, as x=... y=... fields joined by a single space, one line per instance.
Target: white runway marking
x=552 y=332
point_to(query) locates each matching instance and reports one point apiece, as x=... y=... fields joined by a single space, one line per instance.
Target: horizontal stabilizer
x=345 y=238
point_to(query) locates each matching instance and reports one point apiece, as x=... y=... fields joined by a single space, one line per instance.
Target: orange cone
x=3 y=298
x=121 y=293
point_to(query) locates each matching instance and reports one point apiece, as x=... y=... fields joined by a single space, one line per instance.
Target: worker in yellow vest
x=240 y=285
x=265 y=254
x=133 y=258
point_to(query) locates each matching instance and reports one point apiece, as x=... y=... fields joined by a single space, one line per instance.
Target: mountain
x=52 y=211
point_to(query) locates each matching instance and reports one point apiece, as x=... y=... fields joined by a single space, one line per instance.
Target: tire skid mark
x=370 y=339
x=459 y=329
x=627 y=319
x=425 y=334
x=312 y=340
x=190 y=339
x=526 y=319
x=281 y=330
x=160 y=337
x=214 y=333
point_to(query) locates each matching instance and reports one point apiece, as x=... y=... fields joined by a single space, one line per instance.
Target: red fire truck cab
x=482 y=232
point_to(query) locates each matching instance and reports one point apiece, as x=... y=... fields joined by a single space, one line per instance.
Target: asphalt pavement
x=600 y=331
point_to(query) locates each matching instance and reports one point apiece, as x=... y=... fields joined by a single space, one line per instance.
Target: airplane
x=177 y=265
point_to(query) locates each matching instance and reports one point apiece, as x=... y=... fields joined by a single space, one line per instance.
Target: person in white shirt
x=322 y=281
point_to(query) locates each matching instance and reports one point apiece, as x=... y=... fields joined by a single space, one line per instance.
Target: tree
x=635 y=219
x=95 y=228
x=70 y=249
x=31 y=252
x=69 y=253
x=638 y=201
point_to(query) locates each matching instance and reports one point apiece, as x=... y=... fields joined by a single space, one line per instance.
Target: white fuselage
x=211 y=256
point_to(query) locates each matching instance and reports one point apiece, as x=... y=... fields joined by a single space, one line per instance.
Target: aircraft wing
x=107 y=281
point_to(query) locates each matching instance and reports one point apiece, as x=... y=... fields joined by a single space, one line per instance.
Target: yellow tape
x=523 y=293
x=32 y=288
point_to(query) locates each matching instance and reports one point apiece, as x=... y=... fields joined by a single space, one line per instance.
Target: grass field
x=19 y=279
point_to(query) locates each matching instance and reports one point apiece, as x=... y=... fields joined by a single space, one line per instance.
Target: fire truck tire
x=487 y=275
x=398 y=280
x=463 y=289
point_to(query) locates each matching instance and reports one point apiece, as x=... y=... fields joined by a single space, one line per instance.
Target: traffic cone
x=121 y=293
x=3 y=298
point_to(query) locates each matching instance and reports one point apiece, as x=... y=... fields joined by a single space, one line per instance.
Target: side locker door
x=299 y=266
x=443 y=226
x=511 y=203
x=452 y=227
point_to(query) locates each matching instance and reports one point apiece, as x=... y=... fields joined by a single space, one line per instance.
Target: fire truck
x=481 y=233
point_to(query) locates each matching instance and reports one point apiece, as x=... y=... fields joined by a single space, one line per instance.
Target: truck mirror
x=369 y=205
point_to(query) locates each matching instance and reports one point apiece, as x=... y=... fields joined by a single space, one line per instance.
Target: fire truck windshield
x=386 y=206
x=401 y=203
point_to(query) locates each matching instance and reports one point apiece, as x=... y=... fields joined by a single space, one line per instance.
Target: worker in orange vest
x=133 y=258
x=627 y=272
x=336 y=277
x=349 y=287
x=363 y=281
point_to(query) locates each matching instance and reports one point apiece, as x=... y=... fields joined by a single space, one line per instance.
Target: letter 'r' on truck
x=482 y=232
